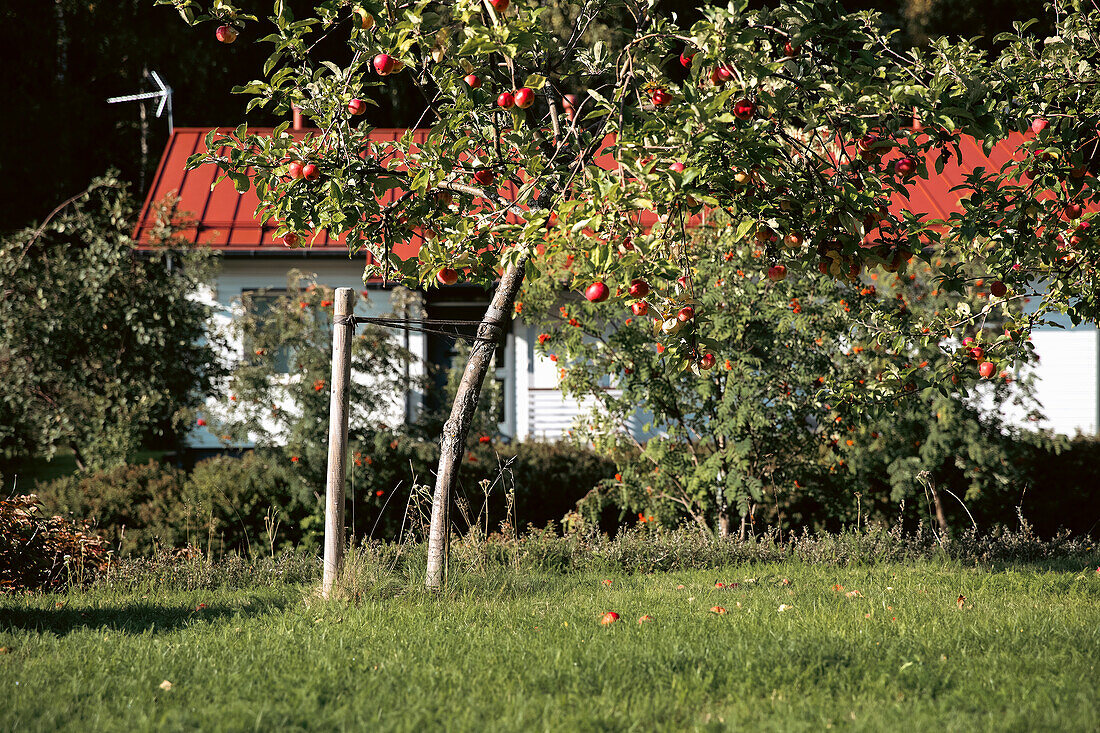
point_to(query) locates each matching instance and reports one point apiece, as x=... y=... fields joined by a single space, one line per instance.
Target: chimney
x=296 y=125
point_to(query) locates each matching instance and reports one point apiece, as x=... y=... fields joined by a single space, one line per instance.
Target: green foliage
x=759 y=425
x=40 y=552
x=134 y=508
x=260 y=503
x=102 y=349
x=790 y=118
x=255 y=504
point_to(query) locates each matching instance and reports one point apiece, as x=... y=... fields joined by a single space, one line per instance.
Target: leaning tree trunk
x=457 y=427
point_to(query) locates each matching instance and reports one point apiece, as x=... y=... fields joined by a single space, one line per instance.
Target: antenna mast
x=164 y=94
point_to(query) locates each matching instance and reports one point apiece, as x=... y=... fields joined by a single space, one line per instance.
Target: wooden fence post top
x=344 y=301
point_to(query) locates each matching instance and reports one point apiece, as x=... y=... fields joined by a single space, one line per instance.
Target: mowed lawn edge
x=883 y=647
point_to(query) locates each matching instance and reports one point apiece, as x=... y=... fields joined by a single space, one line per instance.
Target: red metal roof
x=224 y=219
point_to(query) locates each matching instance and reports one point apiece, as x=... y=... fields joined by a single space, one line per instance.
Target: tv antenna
x=164 y=94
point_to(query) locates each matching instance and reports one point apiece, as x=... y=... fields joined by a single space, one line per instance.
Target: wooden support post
x=343 y=330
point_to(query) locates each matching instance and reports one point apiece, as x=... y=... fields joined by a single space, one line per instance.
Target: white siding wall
x=239 y=275
x=542 y=411
x=1068 y=378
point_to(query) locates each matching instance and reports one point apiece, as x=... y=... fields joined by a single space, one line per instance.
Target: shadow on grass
x=133 y=618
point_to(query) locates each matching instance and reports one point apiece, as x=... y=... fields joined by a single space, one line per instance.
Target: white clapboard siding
x=552 y=415
x=1068 y=379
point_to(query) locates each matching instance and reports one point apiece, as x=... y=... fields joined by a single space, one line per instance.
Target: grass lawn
x=527 y=652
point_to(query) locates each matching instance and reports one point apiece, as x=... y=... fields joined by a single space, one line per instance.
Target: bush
x=1062 y=490
x=135 y=508
x=776 y=390
x=259 y=502
x=41 y=552
x=249 y=503
x=104 y=352
x=522 y=483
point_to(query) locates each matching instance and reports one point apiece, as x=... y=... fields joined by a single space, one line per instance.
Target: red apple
x=686 y=314
x=472 y=81
x=866 y=144
x=1073 y=210
x=383 y=64
x=499 y=5
x=294 y=170
x=484 y=177
x=791 y=50
x=290 y=239
x=447 y=276
x=226 y=33
x=777 y=273
x=1038 y=125
x=524 y=98
x=366 y=20
x=682 y=281
x=744 y=109
x=357 y=107
x=686 y=57
x=660 y=97
x=597 y=292
x=793 y=240
x=986 y=369
x=310 y=172
x=998 y=288
x=720 y=75
x=676 y=166
x=610 y=617
x=707 y=361
x=976 y=352
x=640 y=308
x=638 y=288
x=905 y=167
x=200 y=422
x=505 y=100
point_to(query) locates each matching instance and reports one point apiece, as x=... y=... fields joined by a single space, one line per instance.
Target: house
x=1068 y=373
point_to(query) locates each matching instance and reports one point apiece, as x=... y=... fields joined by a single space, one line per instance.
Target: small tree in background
x=279 y=391
x=103 y=349
x=729 y=434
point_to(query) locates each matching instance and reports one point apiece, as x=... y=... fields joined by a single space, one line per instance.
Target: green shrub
x=1061 y=489
x=251 y=503
x=135 y=508
x=259 y=503
x=524 y=483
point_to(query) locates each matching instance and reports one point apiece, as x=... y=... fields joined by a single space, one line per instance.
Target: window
x=260 y=302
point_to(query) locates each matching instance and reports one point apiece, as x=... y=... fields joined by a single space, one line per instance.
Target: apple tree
x=796 y=121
